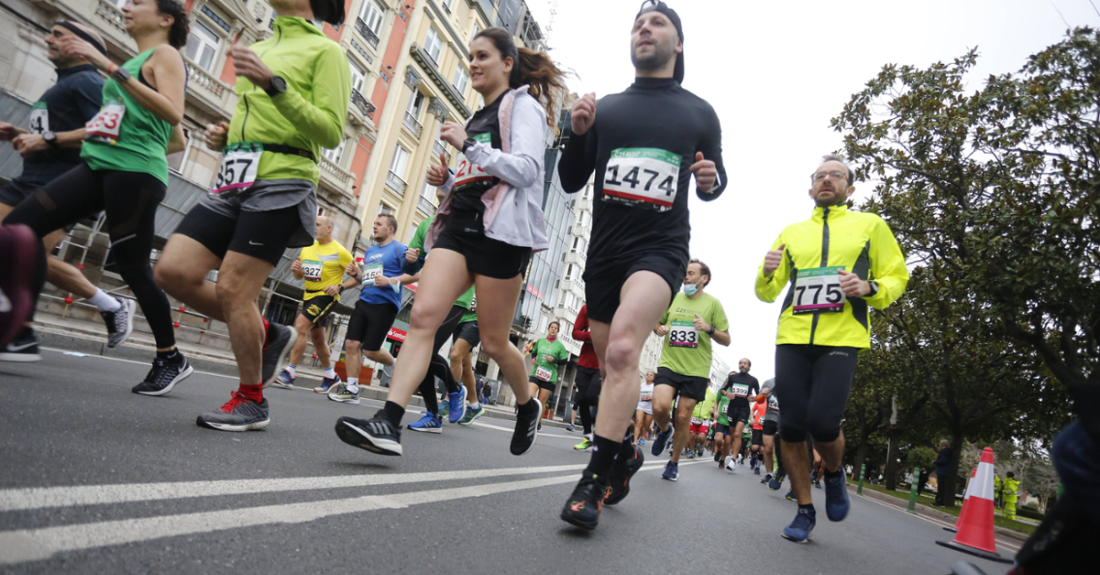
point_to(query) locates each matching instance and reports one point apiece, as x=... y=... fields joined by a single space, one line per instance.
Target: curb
x=936 y=513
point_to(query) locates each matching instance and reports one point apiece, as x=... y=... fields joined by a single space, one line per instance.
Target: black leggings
x=812 y=384
x=588 y=396
x=130 y=200
x=437 y=366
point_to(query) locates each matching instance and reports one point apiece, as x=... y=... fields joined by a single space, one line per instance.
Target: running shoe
x=766 y=479
x=722 y=463
x=817 y=484
x=327 y=384
x=641 y=441
x=427 y=424
x=120 y=323
x=284 y=380
x=18 y=258
x=790 y=496
x=799 y=529
x=776 y=482
x=584 y=445
x=718 y=457
x=22 y=349
x=523 y=438
x=621 y=472
x=699 y=452
x=672 y=471
x=240 y=414
x=570 y=428
x=661 y=440
x=731 y=466
x=472 y=415
x=340 y=393
x=376 y=435
x=457 y=401
x=444 y=407
x=836 y=498
x=582 y=509
x=276 y=350
x=163 y=377
x=756 y=470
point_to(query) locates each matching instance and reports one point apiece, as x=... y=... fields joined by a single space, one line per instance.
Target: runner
x=17 y=251
x=740 y=388
x=721 y=433
x=377 y=307
x=588 y=379
x=701 y=421
x=759 y=408
x=769 y=426
x=689 y=325
x=485 y=232
x=643 y=414
x=125 y=171
x=546 y=355
x=50 y=146
x=465 y=338
x=839 y=263
x=322 y=267
x=638 y=252
x=292 y=102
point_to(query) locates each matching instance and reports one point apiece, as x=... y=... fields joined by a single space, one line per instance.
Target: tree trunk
x=861 y=455
x=892 y=461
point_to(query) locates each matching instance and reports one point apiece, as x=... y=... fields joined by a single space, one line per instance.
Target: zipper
x=824 y=262
x=278 y=38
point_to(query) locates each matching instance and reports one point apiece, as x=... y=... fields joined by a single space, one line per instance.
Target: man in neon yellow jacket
x=1011 y=494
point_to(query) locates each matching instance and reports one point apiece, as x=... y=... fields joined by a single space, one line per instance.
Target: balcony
x=441 y=148
x=575 y=258
x=335 y=177
x=395 y=183
x=410 y=123
x=425 y=206
x=366 y=33
x=217 y=96
x=362 y=103
x=108 y=20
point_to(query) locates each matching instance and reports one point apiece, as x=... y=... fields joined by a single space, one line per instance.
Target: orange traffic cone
x=966 y=497
x=975 y=534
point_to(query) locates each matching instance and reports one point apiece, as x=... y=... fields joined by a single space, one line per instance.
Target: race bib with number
x=683 y=334
x=642 y=177
x=740 y=390
x=312 y=270
x=470 y=174
x=105 y=125
x=542 y=373
x=473 y=303
x=696 y=421
x=818 y=290
x=40 y=118
x=240 y=162
x=773 y=403
x=371 y=271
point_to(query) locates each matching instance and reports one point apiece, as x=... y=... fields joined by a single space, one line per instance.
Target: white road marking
x=937 y=522
x=145 y=363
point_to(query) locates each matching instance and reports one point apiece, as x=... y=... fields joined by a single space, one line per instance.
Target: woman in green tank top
x=125 y=171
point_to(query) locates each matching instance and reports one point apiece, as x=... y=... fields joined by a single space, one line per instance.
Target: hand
x=852 y=286
x=352 y=270
x=583 y=114
x=773 y=259
x=381 y=280
x=216 y=136
x=662 y=330
x=9 y=132
x=296 y=266
x=74 y=46
x=437 y=175
x=705 y=173
x=701 y=325
x=411 y=255
x=548 y=358
x=333 y=290
x=29 y=143
x=249 y=66
x=453 y=133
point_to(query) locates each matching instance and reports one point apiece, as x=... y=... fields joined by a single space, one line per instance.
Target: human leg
x=682 y=426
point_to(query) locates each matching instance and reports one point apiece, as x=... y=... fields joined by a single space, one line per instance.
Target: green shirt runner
x=467 y=300
x=546 y=370
x=687 y=350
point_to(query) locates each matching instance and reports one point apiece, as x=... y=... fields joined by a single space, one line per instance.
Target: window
x=569 y=272
x=433 y=45
x=202 y=45
x=543 y=323
x=333 y=155
x=400 y=161
x=358 y=76
x=428 y=192
x=447 y=5
x=372 y=14
x=476 y=31
x=461 y=80
x=416 y=104
x=578 y=245
x=384 y=209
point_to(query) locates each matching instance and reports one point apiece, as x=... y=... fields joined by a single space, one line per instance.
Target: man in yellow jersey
x=839 y=264
x=322 y=267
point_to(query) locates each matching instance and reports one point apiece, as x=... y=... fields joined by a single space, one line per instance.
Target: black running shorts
x=738 y=414
x=603 y=281
x=317 y=309
x=262 y=235
x=484 y=256
x=686 y=385
x=770 y=427
x=469 y=332
x=547 y=385
x=757 y=437
x=370 y=323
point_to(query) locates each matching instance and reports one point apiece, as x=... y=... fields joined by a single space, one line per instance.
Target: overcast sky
x=776 y=73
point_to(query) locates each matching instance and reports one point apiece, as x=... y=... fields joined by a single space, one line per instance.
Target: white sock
x=104 y=302
x=353 y=385
x=292 y=370
x=330 y=372
x=475 y=405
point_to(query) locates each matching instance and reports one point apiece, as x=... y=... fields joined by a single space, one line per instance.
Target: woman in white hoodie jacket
x=483 y=235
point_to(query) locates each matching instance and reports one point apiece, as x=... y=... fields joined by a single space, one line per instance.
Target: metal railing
x=440 y=148
x=341 y=178
x=362 y=103
x=367 y=34
x=412 y=125
x=425 y=206
x=395 y=183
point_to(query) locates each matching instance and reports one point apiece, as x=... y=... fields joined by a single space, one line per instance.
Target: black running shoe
x=376 y=435
x=22 y=349
x=275 y=352
x=584 y=505
x=163 y=377
x=523 y=438
x=620 y=477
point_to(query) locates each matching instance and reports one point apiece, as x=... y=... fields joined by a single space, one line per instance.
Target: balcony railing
x=366 y=32
x=412 y=125
x=440 y=148
x=336 y=176
x=215 y=88
x=362 y=103
x=395 y=183
x=110 y=13
x=425 y=206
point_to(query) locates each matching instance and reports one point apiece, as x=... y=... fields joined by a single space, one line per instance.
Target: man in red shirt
x=588 y=378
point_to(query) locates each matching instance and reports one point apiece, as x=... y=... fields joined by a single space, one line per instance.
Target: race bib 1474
x=642 y=177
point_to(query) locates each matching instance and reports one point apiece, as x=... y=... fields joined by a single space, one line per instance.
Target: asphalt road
x=95 y=479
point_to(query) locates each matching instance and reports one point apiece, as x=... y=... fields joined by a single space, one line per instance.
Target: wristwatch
x=341 y=288
x=278 y=86
x=50 y=138
x=712 y=330
x=874 y=288
x=121 y=75
x=467 y=143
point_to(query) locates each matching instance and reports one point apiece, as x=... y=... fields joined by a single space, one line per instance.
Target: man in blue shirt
x=50 y=146
x=378 y=304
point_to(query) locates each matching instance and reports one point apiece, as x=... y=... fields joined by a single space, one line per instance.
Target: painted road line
x=937 y=522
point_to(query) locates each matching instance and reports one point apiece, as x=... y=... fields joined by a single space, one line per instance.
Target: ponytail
x=545 y=80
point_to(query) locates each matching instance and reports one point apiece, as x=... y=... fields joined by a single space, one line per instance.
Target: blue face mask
x=690 y=289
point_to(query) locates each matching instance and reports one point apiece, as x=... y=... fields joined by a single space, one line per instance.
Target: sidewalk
x=76 y=335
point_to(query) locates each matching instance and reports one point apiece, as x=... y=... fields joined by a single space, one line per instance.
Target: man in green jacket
x=293 y=91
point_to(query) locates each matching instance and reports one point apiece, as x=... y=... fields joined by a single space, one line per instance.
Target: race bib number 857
x=642 y=177
x=240 y=162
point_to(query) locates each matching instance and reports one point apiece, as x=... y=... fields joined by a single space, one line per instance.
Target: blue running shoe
x=427 y=424
x=836 y=498
x=327 y=384
x=776 y=482
x=799 y=529
x=672 y=471
x=790 y=495
x=457 y=401
x=471 y=415
x=284 y=380
x=444 y=408
x=571 y=427
x=661 y=440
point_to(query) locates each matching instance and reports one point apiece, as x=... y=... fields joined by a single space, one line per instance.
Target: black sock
x=808 y=507
x=394 y=413
x=529 y=408
x=626 y=451
x=604 y=453
x=173 y=356
x=24 y=334
x=833 y=474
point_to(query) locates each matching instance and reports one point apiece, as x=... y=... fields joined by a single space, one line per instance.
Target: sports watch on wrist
x=467 y=143
x=712 y=330
x=874 y=288
x=121 y=75
x=50 y=138
x=278 y=86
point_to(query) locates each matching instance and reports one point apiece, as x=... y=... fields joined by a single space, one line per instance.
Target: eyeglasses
x=820 y=176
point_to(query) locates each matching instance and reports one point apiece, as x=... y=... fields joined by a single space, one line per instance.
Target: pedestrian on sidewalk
x=943 y=470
